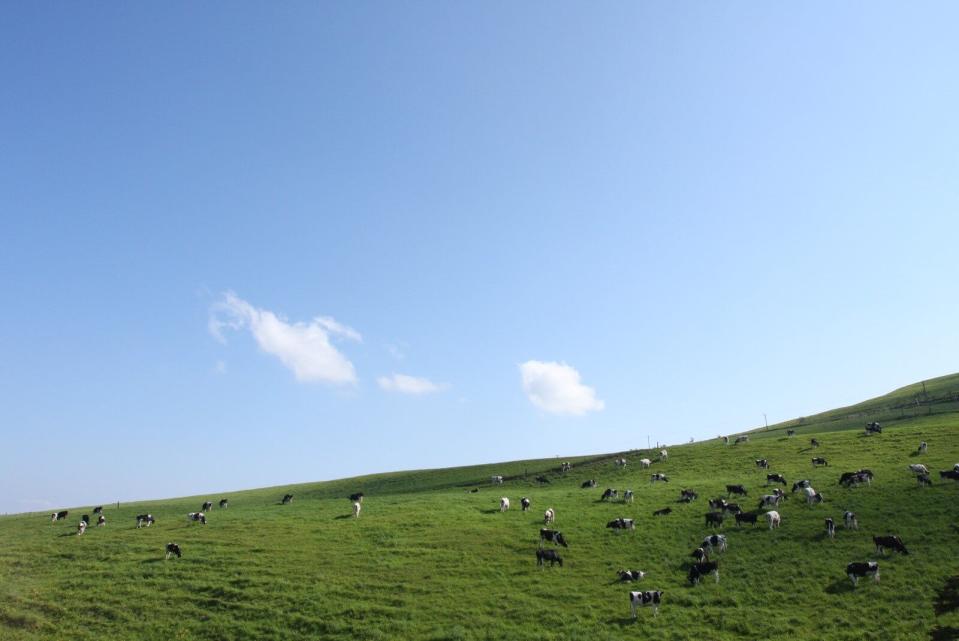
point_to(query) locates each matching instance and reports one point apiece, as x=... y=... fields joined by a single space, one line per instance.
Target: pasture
x=428 y=559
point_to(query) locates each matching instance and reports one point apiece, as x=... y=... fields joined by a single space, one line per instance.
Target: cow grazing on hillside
x=207 y=506
x=224 y=504
x=287 y=499
x=892 y=542
x=645 y=463
x=812 y=496
x=800 y=485
x=830 y=528
x=775 y=478
x=542 y=556
x=746 y=517
x=773 y=519
x=503 y=504
x=685 y=496
x=628 y=496
x=553 y=536
x=818 y=460
x=622 y=524
x=714 y=518
x=769 y=500
x=549 y=516
x=856 y=571
x=918 y=468
x=701 y=569
x=762 y=463
x=196 y=517
x=923 y=447
x=101 y=520
x=524 y=503
x=357 y=506
x=650 y=599
x=850 y=479
x=496 y=480
x=658 y=477
x=81 y=527
x=610 y=493
x=588 y=484
x=873 y=428
x=145 y=520
x=736 y=489
x=630 y=575
x=172 y=549
x=98 y=509
x=714 y=542
x=59 y=516
x=663 y=512
x=849 y=521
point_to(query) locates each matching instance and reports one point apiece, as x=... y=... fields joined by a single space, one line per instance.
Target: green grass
x=428 y=560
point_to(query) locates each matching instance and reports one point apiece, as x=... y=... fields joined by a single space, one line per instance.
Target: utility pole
x=647 y=441
x=765 y=421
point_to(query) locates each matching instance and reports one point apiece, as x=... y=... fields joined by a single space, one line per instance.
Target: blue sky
x=251 y=244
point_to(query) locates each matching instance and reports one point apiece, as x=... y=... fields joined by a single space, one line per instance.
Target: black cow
x=548 y=555
x=714 y=518
x=525 y=503
x=735 y=489
x=663 y=512
x=686 y=496
x=892 y=542
x=775 y=478
x=830 y=528
x=98 y=509
x=630 y=575
x=224 y=503
x=818 y=460
x=588 y=484
x=949 y=474
x=622 y=524
x=746 y=517
x=650 y=599
x=762 y=463
x=172 y=549
x=701 y=569
x=553 y=536
x=287 y=499
x=856 y=571
x=608 y=494
x=356 y=498
x=59 y=516
x=145 y=520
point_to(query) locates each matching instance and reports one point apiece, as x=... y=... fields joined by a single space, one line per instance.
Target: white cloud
x=409 y=384
x=304 y=348
x=556 y=388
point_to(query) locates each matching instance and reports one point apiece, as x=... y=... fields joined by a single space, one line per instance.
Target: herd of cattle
x=720 y=508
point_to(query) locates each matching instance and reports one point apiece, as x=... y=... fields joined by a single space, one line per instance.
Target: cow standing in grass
x=773 y=519
x=172 y=549
x=549 y=516
x=650 y=599
x=503 y=504
x=524 y=504
x=856 y=571
x=356 y=510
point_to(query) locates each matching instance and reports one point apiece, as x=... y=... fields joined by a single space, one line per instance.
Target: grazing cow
x=922 y=447
x=686 y=496
x=949 y=474
x=101 y=520
x=650 y=599
x=631 y=575
x=622 y=524
x=700 y=554
x=849 y=521
x=542 y=479
x=849 y=479
x=814 y=442
x=790 y=432
x=762 y=463
x=812 y=496
x=224 y=504
x=856 y=571
x=775 y=478
x=717 y=504
x=645 y=463
x=59 y=516
x=919 y=468
x=830 y=528
x=770 y=500
x=565 y=467
x=701 y=569
x=357 y=506
x=658 y=477
x=172 y=549
x=207 y=506
x=714 y=518
x=496 y=480
x=715 y=542
x=732 y=508
x=628 y=496
x=81 y=527
x=524 y=503
x=663 y=455
x=773 y=519
x=892 y=542
x=145 y=520
x=549 y=516
x=746 y=517
x=553 y=536
x=818 y=460
x=503 y=504
x=736 y=489
x=923 y=479
x=873 y=428
x=98 y=509
x=588 y=484
x=196 y=516
x=608 y=494
x=663 y=512
x=548 y=555
x=287 y=499
x=801 y=485
x=741 y=439
x=357 y=497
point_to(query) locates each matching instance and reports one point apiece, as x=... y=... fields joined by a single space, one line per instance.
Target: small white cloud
x=556 y=388
x=304 y=348
x=409 y=384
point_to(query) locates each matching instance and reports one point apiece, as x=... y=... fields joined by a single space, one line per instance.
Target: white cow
x=549 y=516
x=773 y=518
x=663 y=455
x=849 y=521
x=918 y=468
x=812 y=496
x=356 y=509
x=496 y=480
x=503 y=504
x=645 y=463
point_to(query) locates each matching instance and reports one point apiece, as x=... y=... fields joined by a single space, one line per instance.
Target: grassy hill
x=429 y=560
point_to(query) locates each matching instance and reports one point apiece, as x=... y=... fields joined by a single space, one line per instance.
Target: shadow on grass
x=492 y=510
x=622 y=621
x=152 y=561
x=342 y=516
x=842 y=586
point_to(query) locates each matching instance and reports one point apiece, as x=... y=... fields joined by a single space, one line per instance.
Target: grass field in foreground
x=428 y=560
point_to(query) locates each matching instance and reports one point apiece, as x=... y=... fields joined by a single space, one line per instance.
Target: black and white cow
x=746 y=517
x=610 y=493
x=622 y=524
x=542 y=556
x=775 y=478
x=224 y=504
x=145 y=520
x=496 y=479
x=919 y=468
x=565 y=467
x=553 y=536
x=714 y=518
x=658 y=477
x=59 y=516
x=207 y=506
x=81 y=528
x=852 y=479
x=891 y=541
x=818 y=460
x=628 y=496
x=172 y=549
x=630 y=575
x=701 y=569
x=801 y=485
x=949 y=474
x=812 y=496
x=196 y=517
x=923 y=446
x=770 y=500
x=98 y=509
x=650 y=599
x=923 y=480
x=700 y=554
x=732 y=508
x=849 y=520
x=663 y=512
x=717 y=504
x=525 y=503
x=715 y=542
x=830 y=528
x=356 y=498
x=873 y=428
x=101 y=520
x=588 y=484
x=287 y=499
x=736 y=489
x=762 y=463
x=549 y=516
x=686 y=496
x=856 y=571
